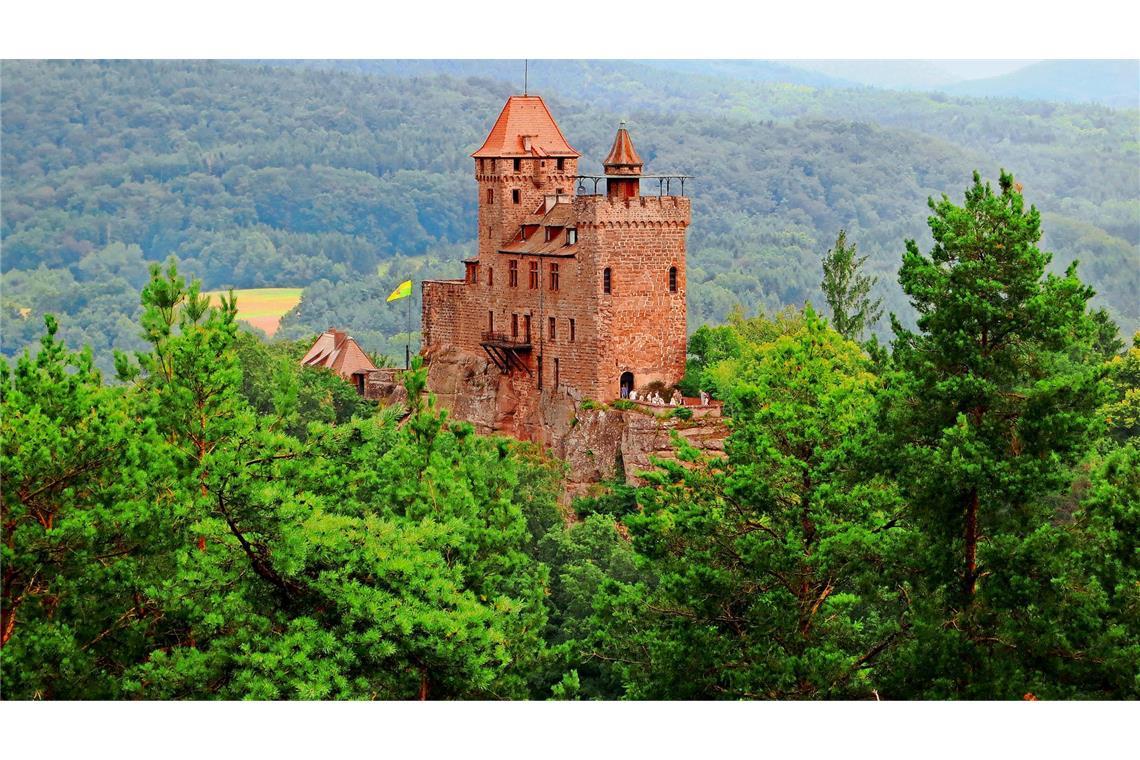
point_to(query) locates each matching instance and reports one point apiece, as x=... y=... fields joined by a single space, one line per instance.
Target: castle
x=572 y=291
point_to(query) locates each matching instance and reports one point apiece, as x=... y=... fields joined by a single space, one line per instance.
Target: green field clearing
x=262 y=307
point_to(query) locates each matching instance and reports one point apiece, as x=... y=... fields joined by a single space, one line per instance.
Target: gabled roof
x=623 y=159
x=339 y=352
x=525 y=116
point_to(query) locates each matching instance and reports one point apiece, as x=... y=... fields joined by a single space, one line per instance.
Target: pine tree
x=847 y=290
x=764 y=572
x=994 y=402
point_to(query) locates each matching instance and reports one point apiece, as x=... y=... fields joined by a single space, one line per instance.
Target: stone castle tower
x=572 y=291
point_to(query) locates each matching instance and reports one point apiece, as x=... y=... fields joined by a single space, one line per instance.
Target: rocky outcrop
x=598 y=442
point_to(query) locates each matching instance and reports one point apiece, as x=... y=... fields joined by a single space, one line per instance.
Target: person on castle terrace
x=704 y=398
x=633 y=395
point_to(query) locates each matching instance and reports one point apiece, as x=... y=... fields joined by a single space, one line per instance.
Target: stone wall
x=500 y=219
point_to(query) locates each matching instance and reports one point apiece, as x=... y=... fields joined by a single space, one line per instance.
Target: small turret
x=623 y=167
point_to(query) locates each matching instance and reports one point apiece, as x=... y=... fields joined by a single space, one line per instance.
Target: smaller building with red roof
x=338 y=351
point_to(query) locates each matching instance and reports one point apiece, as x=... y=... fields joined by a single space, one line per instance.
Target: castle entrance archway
x=626 y=383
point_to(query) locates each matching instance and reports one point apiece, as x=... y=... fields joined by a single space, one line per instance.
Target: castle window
x=672 y=279
x=553 y=329
x=606 y=280
x=480 y=166
x=561 y=164
x=472 y=272
x=571 y=330
x=514 y=325
x=526 y=326
x=540 y=371
x=515 y=196
x=534 y=275
x=518 y=164
x=490 y=276
x=571 y=236
x=555 y=373
x=490 y=321
x=513 y=274
x=554 y=277
x=490 y=195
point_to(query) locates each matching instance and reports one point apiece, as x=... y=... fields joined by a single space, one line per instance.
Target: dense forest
x=347 y=177
x=952 y=515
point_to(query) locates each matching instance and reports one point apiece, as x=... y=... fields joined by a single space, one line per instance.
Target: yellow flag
x=403 y=290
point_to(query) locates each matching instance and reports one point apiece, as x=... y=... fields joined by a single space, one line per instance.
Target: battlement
x=601 y=210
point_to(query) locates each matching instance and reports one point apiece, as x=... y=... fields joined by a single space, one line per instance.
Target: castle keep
x=578 y=285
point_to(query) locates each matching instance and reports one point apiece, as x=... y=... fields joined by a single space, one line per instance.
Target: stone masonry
x=569 y=293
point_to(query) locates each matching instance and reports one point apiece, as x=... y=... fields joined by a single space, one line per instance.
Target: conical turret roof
x=623 y=158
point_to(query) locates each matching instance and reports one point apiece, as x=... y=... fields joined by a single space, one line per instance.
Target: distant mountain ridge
x=1113 y=83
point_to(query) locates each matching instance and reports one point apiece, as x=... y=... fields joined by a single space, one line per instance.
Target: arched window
x=606 y=280
x=672 y=279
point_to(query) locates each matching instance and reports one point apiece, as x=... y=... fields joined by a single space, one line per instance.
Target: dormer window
x=571 y=236
x=551 y=233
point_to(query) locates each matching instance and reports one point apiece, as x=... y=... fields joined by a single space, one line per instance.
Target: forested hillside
x=357 y=174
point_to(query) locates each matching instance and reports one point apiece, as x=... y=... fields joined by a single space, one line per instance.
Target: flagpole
x=408 y=334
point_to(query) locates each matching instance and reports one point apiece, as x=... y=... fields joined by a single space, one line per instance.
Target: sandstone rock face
x=599 y=443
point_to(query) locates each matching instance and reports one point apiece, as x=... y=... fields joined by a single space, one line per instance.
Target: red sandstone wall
x=639 y=239
x=639 y=327
x=535 y=179
x=440 y=304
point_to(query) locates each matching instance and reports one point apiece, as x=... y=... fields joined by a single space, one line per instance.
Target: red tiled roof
x=538 y=244
x=622 y=155
x=525 y=116
x=560 y=215
x=337 y=351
